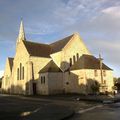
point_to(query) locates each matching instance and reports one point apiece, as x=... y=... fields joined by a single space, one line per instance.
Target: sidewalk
x=117 y=98
x=100 y=98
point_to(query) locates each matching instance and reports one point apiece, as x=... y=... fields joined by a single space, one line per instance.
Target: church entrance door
x=34 y=89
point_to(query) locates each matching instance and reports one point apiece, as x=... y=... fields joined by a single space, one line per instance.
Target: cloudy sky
x=97 y=21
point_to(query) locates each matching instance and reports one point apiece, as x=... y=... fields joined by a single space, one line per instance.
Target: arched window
x=44 y=79
x=70 y=61
x=74 y=59
x=41 y=79
x=18 y=74
x=77 y=55
x=22 y=72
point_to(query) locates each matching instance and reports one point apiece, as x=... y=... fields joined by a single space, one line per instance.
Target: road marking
x=36 y=110
x=89 y=109
x=29 y=112
x=112 y=96
x=25 y=113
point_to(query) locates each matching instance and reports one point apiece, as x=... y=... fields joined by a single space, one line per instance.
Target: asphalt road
x=101 y=112
x=46 y=108
x=54 y=108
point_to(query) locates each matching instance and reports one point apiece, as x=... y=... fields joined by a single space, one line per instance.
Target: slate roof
x=88 y=62
x=10 y=60
x=58 y=45
x=44 y=50
x=50 y=67
x=37 y=49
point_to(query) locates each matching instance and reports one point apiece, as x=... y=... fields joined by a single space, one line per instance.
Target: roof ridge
x=36 y=43
x=62 y=39
x=60 y=44
x=10 y=60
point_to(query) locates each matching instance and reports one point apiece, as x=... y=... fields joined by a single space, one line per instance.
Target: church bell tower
x=21 y=35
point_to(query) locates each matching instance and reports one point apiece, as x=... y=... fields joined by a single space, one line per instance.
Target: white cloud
x=109 y=49
x=1 y=73
x=95 y=20
x=76 y=10
x=114 y=11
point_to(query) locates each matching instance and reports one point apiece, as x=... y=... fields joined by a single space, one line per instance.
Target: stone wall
x=75 y=82
x=55 y=82
x=108 y=78
x=57 y=58
x=38 y=64
x=42 y=88
x=7 y=77
x=21 y=56
x=74 y=46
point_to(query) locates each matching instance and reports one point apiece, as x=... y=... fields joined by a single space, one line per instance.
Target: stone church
x=64 y=66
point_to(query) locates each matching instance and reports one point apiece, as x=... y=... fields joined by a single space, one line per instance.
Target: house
x=64 y=66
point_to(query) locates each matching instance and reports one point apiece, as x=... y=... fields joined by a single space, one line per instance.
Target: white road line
x=89 y=109
x=36 y=110
x=26 y=113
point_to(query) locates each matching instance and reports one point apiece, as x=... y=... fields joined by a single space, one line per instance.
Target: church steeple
x=21 y=35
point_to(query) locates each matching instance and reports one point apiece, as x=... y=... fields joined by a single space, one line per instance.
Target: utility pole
x=101 y=73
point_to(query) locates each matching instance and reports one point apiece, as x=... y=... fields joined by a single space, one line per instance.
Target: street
x=55 y=108
x=30 y=108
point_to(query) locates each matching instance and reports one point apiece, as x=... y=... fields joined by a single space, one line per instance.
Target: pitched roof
x=37 y=49
x=10 y=60
x=50 y=67
x=88 y=62
x=44 y=50
x=58 y=45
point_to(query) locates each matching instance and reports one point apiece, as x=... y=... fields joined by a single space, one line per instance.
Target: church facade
x=65 y=66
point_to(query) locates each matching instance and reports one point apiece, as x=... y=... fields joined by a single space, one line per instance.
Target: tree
x=118 y=80
x=95 y=87
x=117 y=84
x=115 y=80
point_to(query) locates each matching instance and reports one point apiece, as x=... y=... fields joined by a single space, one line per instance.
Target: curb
x=116 y=100
x=68 y=116
x=91 y=100
x=104 y=101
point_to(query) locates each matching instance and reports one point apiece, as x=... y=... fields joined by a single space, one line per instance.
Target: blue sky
x=97 y=21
